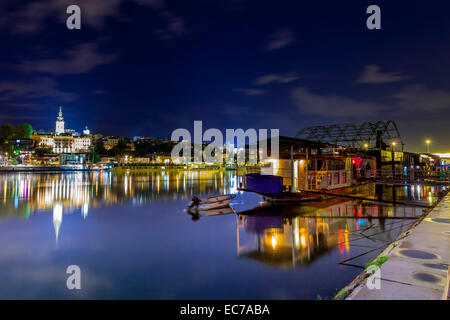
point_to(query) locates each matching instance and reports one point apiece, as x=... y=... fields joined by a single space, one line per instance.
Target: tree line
x=20 y=131
x=9 y=131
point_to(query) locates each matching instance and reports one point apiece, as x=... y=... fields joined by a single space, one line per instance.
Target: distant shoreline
x=118 y=169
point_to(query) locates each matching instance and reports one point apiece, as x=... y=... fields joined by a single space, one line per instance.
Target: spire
x=59 y=123
x=60 y=115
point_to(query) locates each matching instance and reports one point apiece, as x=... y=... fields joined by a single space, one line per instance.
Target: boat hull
x=216 y=202
x=300 y=197
x=215 y=205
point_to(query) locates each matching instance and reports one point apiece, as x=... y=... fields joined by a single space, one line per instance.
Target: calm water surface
x=132 y=238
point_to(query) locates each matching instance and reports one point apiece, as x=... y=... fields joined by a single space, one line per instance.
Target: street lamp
x=393 y=145
x=428 y=141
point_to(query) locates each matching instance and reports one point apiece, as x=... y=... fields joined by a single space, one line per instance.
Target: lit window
x=336 y=178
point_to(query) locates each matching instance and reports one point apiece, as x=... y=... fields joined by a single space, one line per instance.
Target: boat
x=219 y=211
x=324 y=177
x=215 y=202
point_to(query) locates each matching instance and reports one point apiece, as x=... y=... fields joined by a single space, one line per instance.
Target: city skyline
x=147 y=67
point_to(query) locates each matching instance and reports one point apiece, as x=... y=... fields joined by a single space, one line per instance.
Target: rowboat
x=219 y=212
x=211 y=203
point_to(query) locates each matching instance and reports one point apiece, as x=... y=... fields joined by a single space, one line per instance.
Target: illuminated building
x=45 y=141
x=81 y=144
x=110 y=142
x=63 y=144
x=59 y=123
x=69 y=144
x=64 y=140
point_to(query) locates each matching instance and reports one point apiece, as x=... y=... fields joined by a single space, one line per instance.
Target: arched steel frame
x=354 y=135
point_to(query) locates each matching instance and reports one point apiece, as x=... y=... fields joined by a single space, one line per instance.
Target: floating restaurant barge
x=304 y=165
x=324 y=161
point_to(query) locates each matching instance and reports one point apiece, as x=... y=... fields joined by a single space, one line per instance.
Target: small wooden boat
x=219 y=211
x=211 y=203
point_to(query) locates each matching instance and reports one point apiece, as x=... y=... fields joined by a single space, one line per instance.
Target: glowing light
x=303 y=240
x=274 y=241
x=85 y=210
x=57 y=218
x=443 y=155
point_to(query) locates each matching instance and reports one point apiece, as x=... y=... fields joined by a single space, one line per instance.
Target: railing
x=411 y=175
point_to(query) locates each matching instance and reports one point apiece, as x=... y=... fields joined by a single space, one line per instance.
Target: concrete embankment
x=418 y=264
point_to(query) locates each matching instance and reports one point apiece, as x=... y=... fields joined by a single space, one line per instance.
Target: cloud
x=175 y=26
x=415 y=98
x=276 y=77
x=372 y=74
x=39 y=88
x=81 y=59
x=98 y=91
x=333 y=105
x=419 y=98
x=155 y=4
x=250 y=92
x=280 y=39
x=22 y=105
x=32 y=17
x=12 y=118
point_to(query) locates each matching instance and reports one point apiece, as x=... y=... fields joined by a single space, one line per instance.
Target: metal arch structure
x=354 y=135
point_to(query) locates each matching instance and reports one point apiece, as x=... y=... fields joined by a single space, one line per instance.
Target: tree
x=145 y=148
x=119 y=149
x=23 y=130
x=6 y=147
x=99 y=148
x=7 y=131
x=95 y=157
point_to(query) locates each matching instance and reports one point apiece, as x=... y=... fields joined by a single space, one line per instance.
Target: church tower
x=59 y=123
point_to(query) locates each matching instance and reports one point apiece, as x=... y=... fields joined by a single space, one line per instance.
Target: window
x=329 y=179
x=336 y=165
x=336 y=178
x=344 y=177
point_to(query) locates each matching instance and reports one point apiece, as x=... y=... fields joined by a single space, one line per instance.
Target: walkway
x=418 y=264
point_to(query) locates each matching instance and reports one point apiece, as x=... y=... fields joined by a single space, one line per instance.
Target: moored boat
x=321 y=178
x=211 y=203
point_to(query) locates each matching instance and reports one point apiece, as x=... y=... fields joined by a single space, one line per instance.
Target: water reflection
x=426 y=195
x=292 y=236
x=24 y=194
x=133 y=239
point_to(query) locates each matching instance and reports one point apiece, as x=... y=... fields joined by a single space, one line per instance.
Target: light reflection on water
x=132 y=238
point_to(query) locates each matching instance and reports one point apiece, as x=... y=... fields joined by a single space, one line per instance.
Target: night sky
x=147 y=67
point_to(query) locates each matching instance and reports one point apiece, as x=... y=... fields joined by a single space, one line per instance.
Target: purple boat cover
x=264 y=184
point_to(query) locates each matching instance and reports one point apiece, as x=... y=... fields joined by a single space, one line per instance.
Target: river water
x=132 y=238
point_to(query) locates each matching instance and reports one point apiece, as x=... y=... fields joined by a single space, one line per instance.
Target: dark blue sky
x=147 y=67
